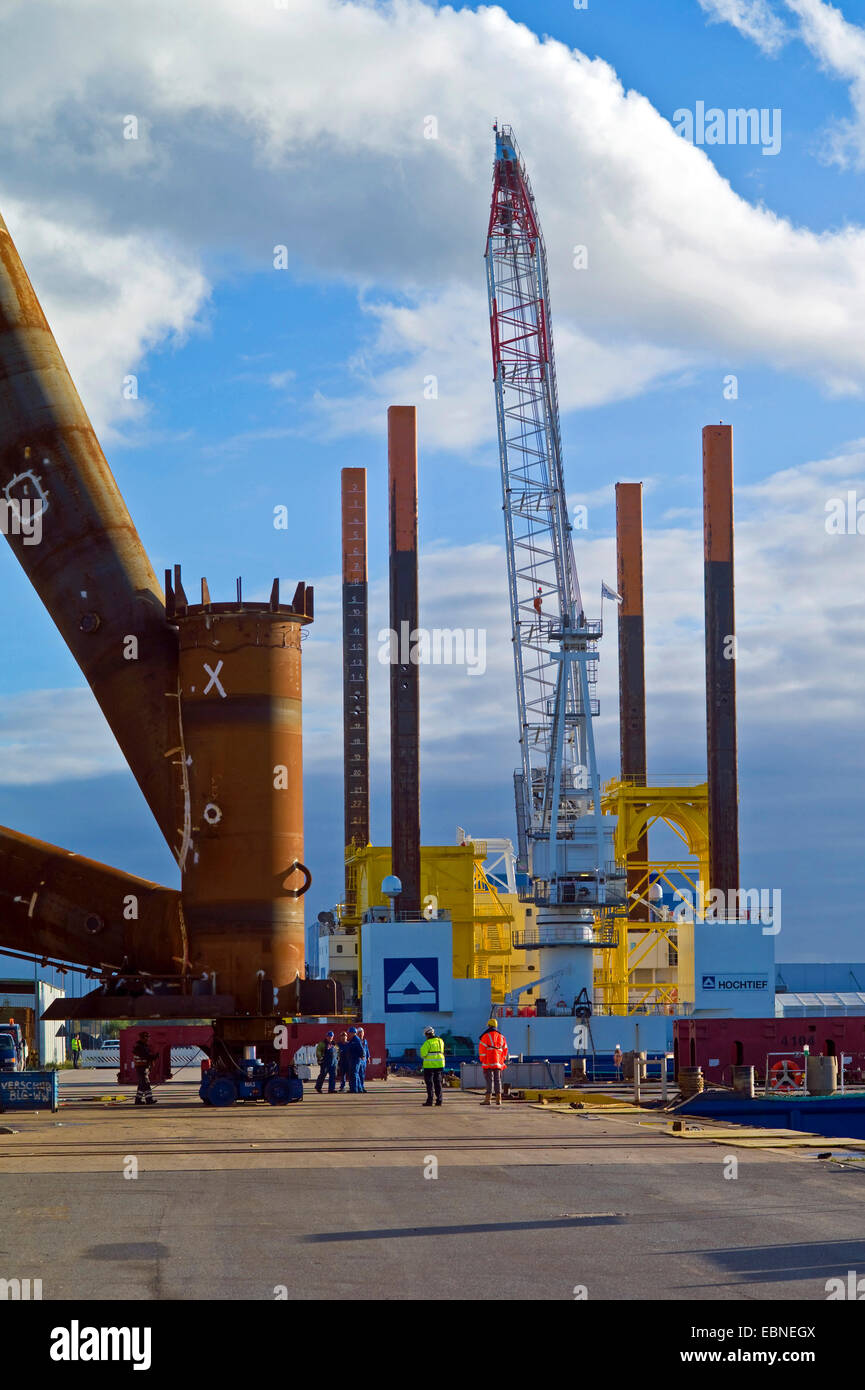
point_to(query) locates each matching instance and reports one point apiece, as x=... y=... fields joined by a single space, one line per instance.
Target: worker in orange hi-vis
x=493 y=1052
x=538 y=600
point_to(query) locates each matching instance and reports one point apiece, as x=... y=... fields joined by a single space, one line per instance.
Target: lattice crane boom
x=555 y=652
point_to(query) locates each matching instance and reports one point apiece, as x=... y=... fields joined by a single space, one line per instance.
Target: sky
x=270 y=219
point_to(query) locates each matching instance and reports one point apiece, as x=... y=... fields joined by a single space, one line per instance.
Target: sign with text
x=30 y=1090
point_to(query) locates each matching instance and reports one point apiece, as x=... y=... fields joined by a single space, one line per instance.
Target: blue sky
x=303 y=128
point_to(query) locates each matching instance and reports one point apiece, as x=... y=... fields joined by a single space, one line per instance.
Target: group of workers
x=343 y=1060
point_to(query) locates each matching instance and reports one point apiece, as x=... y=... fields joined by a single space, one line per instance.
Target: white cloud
x=305 y=126
x=840 y=48
x=838 y=45
x=436 y=354
x=109 y=299
x=279 y=380
x=52 y=736
x=754 y=18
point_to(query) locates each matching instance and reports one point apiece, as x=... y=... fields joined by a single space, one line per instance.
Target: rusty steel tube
x=632 y=670
x=720 y=657
x=355 y=661
x=57 y=903
x=243 y=877
x=404 y=682
x=89 y=566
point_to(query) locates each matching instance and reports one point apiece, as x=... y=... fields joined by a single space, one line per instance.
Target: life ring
x=786 y=1075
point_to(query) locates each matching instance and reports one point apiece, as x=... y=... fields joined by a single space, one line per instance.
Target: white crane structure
x=565 y=844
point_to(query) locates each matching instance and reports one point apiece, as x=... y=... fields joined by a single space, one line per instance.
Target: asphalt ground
x=376 y=1196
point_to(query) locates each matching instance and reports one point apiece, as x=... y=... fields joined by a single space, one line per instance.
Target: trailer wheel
x=277 y=1091
x=222 y=1091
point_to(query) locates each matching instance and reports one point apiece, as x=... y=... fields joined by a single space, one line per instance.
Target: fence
x=100 y=1057
x=109 y=1057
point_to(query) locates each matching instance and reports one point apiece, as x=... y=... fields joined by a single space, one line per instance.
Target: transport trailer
x=250 y=1080
x=247 y=1062
x=244 y=1058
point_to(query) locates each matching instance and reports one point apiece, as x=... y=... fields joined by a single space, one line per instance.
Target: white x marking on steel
x=214 y=678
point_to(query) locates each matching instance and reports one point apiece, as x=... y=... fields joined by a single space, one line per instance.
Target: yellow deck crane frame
x=685 y=809
x=453 y=879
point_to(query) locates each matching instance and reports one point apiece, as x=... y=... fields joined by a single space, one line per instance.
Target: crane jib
x=555 y=646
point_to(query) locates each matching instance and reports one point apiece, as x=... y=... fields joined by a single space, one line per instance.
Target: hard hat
x=328 y=1035
x=352 y=1030
x=493 y=1023
x=429 y=1032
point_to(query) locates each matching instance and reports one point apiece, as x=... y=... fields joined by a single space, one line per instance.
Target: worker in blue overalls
x=364 y=1064
x=355 y=1060
x=327 y=1064
x=343 y=1066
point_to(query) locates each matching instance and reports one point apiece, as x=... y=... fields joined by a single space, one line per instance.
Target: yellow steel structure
x=494 y=924
x=649 y=945
x=484 y=919
x=453 y=880
x=447 y=882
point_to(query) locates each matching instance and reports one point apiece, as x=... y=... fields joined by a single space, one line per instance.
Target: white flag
x=607 y=592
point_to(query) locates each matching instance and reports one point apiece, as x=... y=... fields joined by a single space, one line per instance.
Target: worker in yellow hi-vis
x=433 y=1058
